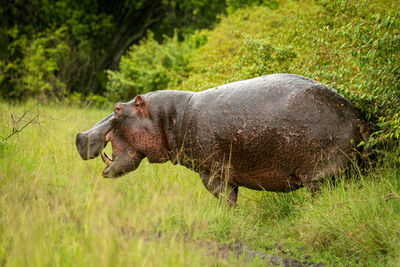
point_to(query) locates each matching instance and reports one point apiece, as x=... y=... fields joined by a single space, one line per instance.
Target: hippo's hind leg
x=313 y=178
x=312 y=183
x=220 y=188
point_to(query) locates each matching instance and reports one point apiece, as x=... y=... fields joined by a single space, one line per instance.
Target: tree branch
x=17 y=121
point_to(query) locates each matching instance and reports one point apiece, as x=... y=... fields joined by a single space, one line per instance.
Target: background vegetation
x=54 y=208
x=66 y=46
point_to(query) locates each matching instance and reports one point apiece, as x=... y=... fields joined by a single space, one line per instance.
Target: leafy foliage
x=93 y=36
x=371 y=69
x=151 y=66
x=236 y=4
x=35 y=73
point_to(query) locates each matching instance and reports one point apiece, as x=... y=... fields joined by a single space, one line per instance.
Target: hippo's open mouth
x=123 y=160
x=110 y=161
x=104 y=156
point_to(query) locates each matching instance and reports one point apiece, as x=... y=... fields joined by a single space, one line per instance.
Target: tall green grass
x=56 y=210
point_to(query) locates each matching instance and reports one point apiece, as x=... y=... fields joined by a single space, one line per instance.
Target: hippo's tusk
x=105 y=154
x=106 y=158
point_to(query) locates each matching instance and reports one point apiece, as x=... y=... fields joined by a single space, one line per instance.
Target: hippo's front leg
x=220 y=188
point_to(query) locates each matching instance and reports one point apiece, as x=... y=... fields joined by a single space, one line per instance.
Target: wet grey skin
x=277 y=132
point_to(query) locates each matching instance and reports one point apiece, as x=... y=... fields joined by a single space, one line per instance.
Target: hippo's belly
x=274 y=168
x=269 y=180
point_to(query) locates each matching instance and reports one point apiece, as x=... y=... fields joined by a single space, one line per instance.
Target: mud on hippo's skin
x=277 y=132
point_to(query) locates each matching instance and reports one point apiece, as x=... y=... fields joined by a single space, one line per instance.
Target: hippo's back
x=270 y=93
x=275 y=101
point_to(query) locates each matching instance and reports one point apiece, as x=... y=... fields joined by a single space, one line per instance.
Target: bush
x=35 y=73
x=150 y=66
x=369 y=38
x=236 y=4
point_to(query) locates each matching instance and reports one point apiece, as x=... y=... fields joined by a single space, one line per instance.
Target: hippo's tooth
x=107 y=160
x=108 y=156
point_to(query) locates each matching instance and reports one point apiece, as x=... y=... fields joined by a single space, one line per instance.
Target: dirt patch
x=240 y=249
x=225 y=251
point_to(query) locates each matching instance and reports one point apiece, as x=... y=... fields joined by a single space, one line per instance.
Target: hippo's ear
x=140 y=105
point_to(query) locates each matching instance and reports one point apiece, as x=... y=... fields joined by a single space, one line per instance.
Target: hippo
x=277 y=132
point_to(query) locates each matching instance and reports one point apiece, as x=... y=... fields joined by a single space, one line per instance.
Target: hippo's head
x=133 y=134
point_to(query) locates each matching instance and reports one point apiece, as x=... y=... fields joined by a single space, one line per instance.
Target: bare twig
x=390 y=196
x=16 y=121
x=384 y=198
x=351 y=200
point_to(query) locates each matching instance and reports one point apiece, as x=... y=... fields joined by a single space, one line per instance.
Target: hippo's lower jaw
x=120 y=165
x=111 y=170
x=108 y=161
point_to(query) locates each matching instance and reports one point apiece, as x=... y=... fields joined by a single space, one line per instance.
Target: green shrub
x=236 y=4
x=35 y=73
x=79 y=100
x=150 y=66
x=369 y=36
x=259 y=57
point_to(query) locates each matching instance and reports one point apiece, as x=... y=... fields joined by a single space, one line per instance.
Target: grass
x=56 y=210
